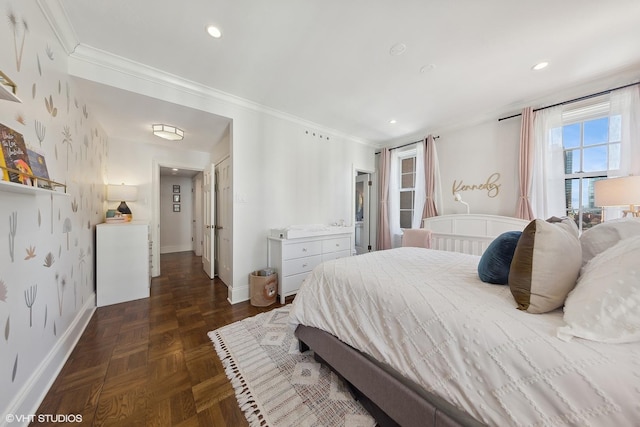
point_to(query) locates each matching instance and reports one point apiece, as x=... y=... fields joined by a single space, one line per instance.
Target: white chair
x=416 y=238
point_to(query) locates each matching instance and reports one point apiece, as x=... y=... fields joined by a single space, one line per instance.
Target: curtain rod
x=406 y=145
x=582 y=98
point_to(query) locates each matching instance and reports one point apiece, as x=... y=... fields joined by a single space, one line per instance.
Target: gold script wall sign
x=491 y=186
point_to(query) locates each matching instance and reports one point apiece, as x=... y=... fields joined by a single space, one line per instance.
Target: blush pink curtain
x=383 y=240
x=429 y=209
x=524 y=209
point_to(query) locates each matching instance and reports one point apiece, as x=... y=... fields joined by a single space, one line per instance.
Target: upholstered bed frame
x=392 y=399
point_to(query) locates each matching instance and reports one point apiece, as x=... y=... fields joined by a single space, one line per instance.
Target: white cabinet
x=293 y=259
x=122 y=262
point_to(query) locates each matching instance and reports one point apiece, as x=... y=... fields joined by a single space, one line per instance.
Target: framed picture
x=176 y=207
x=176 y=198
x=176 y=188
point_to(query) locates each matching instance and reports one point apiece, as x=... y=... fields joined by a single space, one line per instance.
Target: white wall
x=36 y=339
x=281 y=174
x=176 y=227
x=470 y=155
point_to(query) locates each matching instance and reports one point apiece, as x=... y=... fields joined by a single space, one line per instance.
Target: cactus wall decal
x=7 y=328
x=30 y=299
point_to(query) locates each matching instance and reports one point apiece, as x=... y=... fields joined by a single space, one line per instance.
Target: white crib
x=469 y=233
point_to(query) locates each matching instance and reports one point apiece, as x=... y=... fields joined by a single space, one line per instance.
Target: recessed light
x=174 y=169
x=214 y=31
x=397 y=49
x=393 y=121
x=540 y=66
x=427 y=68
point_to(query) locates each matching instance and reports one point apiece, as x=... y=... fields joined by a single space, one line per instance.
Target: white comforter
x=427 y=315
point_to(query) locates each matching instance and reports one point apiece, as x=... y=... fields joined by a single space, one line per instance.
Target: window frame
x=408 y=154
x=593 y=111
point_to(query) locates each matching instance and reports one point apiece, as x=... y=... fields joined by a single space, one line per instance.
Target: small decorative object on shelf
x=8 y=88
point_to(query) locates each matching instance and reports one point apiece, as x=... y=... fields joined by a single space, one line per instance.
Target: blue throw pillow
x=496 y=260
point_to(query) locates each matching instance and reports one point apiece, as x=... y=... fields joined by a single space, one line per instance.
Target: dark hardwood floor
x=150 y=362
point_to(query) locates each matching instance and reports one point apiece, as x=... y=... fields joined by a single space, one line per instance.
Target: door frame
x=155 y=210
x=373 y=202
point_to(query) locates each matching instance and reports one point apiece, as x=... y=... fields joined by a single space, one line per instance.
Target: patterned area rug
x=278 y=386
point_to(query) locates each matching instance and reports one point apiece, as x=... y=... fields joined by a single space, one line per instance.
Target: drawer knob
x=304 y=249
x=337 y=245
x=304 y=265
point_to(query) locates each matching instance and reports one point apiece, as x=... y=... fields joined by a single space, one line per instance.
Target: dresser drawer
x=300 y=265
x=290 y=284
x=336 y=245
x=336 y=255
x=303 y=249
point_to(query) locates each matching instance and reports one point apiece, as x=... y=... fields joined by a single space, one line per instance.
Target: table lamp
x=123 y=194
x=624 y=191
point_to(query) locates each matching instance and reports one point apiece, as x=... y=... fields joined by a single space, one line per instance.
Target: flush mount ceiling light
x=393 y=121
x=539 y=66
x=214 y=31
x=171 y=133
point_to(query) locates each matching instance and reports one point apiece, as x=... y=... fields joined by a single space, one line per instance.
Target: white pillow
x=602 y=236
x=605 y=304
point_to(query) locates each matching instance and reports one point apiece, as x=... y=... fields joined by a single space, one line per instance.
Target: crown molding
x=109 y=61
x=55 y=13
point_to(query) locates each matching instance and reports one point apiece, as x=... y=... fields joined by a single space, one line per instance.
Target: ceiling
x=335 y=63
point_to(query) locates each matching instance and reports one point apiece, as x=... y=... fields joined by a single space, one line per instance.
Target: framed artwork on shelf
x=176 y=207
x=176 y=188
x=176 y=198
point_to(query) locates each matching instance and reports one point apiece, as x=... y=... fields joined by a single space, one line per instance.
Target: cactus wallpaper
x=47 y=237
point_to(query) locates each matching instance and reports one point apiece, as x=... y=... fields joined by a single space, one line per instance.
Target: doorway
x=364 y=211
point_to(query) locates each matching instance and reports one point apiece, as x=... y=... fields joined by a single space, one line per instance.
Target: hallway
x=150 y=362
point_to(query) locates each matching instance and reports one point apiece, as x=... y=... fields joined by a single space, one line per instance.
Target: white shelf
x=8 y=95
x=5 y=84
x=13 y=187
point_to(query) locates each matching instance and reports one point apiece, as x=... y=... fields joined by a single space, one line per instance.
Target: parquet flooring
x=150 y=362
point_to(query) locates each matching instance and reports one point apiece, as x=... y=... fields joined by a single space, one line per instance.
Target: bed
x=423 y=341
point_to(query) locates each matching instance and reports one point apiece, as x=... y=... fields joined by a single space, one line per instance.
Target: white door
x=208 y=241
x=223 y=221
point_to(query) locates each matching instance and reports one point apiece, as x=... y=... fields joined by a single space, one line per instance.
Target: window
x=591 y=142
x=407 y=190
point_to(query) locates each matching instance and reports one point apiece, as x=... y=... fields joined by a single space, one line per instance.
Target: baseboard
x=35 y=389
x=176 y=248
x=238 y=294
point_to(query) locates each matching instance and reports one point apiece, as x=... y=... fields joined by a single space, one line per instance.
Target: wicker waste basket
x=263 y=287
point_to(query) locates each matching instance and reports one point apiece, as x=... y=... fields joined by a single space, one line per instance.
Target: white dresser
x=122 y=262
x=294 y=258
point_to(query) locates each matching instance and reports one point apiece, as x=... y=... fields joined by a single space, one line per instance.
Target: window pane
x=615 y=128
x=596 y=131
x=571 y=135
x=572 y=161
x=405 y=219
x=572 y=188
x=407 y=164
x=595 y=159
x=406 y=200
x=408 y=180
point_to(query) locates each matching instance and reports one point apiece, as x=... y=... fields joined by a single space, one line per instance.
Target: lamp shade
x=122 y=193
x=617 y=191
